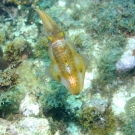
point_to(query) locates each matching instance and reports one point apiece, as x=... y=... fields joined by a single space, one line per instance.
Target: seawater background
x=31 y=103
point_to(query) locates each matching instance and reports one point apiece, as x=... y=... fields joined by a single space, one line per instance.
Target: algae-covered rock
x=27 y=79
x=98 y=122
x=126 y=64
x=29 y=106
x=19 y=2
x=2 y=37
x=25 y=126
x=17 y=50
x=41 y=48
x=8 y=78
x=99 y=29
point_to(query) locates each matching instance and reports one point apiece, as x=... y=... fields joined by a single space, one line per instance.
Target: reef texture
x=33 y=104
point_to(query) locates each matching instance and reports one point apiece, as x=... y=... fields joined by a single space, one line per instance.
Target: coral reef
x=26 y=125
x=45 y=3
x=29 y=106
x=17 y=50
x=18 y=2
x=128 y=128
x=41 y=48
x=126 y=64
x=54 y=104
x=60 y=105
x=103 y=31
x=106 y=65
x=99 y=123
x=57 y=127
x=127 y=61
x=56 y=99
x=8 y=78
x=130 y=107
x=119 y=19
x=27 y=84
x=2 y=37
x=9 y=102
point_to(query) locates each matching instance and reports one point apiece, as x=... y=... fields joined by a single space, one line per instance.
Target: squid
x=67 y=66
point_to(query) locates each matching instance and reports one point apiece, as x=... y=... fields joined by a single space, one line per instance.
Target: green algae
x=9 y=102
x=2 y=37
x=97 y=122
x=41 y=48
x=128 y=127
x=113 y=46
x=17 y=50
x=115 y=19
x=8 y=78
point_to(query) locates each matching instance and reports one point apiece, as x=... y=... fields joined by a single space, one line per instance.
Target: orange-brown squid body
x=67 y=66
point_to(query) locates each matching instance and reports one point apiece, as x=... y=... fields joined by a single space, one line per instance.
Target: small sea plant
x=9 y=101
x=97 y=122
x=17 y=50
x=128 y=127
x=2 y=37
x=41 y=48
x=8 y=79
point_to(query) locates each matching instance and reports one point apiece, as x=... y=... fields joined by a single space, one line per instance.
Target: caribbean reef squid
x=67 y=66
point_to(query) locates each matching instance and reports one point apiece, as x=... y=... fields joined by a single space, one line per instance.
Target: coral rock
x=29 y=106
x=126 y=64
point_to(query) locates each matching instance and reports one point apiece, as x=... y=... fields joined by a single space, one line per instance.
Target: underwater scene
x=67 y=67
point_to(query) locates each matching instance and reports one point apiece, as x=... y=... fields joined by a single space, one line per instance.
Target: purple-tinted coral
x=126 y=63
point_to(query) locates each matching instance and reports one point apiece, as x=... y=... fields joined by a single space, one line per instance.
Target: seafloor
x=31 y=103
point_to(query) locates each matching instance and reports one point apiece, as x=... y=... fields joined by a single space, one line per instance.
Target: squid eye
x=61 y=34
x=50 y=38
